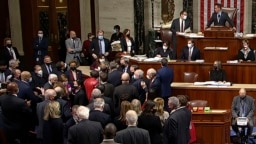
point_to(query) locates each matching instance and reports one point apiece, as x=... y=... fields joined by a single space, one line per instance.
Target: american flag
x=207 y=8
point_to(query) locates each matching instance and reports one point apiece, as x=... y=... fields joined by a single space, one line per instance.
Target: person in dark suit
x=9 y=52
x=53 y=78
x=4 y=72
x=190 y=52
x=85 y=131
x=148 y=121
x=40 y=46
x=165 y=75
x=124 y=66
x=72 y=121
x=140 y=85
x=114 y=76
x=153 y=84
x=100 y=46
x=219 y=17
x=80 y=97
x=15 y=114
x=117 y=34
x=243 y=106
x=246 y=53
x=109 y=134
x=61 y=68
x=181 y=24
x=164 y=51
x=108 y=87
x=132 y=134
x=217 y=73
x=73 y=74
x=97 y=113
x=127 y=43
x=48 y=67
x=176 y=128
x=37 y=77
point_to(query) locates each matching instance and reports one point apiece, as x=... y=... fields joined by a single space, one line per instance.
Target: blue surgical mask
x=100 y=37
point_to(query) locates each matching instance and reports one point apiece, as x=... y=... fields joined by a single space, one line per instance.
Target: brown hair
x=125 y=106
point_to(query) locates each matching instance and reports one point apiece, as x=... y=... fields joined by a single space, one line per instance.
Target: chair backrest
x=231 y=13
x=198 y=103
x=190 y=77
x=166 y=35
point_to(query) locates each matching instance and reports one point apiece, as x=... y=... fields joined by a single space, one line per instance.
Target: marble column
x=139 y=24
x=85 y=18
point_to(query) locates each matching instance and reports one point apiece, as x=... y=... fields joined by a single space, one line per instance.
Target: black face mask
x=2 y=70
x=153 y=111
x=73 y=68
x=48 y=64
x=215 y=67
x=9 y=45
x=128 y=35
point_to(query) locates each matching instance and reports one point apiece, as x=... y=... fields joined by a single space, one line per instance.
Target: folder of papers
x=212 y=83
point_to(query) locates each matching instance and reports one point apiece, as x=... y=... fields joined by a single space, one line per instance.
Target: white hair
x=52 y=76
x=98 y=103
x=131 y=117
x=13 y=62
x=49 y=93
x=82 y=112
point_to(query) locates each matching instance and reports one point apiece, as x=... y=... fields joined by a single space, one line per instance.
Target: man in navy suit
x=181 y=24
x=190 y=52
x=100 y=46
x=40 y=46
x=219 y=17
x=9 y=52
x=165 y=75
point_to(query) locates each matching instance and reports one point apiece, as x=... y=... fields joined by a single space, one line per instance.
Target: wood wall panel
x=74 y=16
x=5 y=22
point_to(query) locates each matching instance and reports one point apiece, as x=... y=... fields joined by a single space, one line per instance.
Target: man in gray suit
x=74 y=47
x=243 y=106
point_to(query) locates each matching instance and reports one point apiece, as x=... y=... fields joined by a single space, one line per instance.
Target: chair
x=231 y=13
x=198 y=103
x=190 y=77
x=166 y=35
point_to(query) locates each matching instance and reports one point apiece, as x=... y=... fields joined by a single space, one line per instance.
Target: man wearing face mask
x=246 y=53
x=74 y=47
x=164 y=51
x=190 y=52
x=37 y=77
x=86 y=49
x=217 y=73
x=181 y=24
x=48 y=67
x=117 y=34
x=73 y=74
x=9 y=52
x=100 y=46
x=40 y=46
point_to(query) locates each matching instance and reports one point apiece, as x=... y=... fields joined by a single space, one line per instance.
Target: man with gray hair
x=85 y=131
x=97 y=113
x=140 y=85
x=53 y=78
x=173 y=103
x=132 y=134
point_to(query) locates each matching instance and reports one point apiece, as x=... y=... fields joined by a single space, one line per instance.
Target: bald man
x=132 y=134
x=125 y=91
x=16 y=113
x=74 y=47
x=243 y=106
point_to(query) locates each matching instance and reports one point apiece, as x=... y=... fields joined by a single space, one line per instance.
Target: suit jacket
x=175 y=27
x=176 y=128
x=250 y=55
x=37 y=81
x=109 y=141
x=142 y=92
x=218 y=75
x=95 y=48
x=165 y=75
x=109 y=90
x=47 y=85
x=53 y=131
x=151 y=123
x=154 y=88
x=132 y=135
x=185 y=52
x=249 y=108
x=45 y=70
x=40 y=47
x=40 y=114
x=65 y=109
x=114 y=77
x=160 y=51
x=6 y=56
x=85 y=132
x=7 y=72
x=124 y=45
x=26 y=92
x=223 y=18
x=80 y=98
x=76 y=47
x=70 y=76
x=98 y=116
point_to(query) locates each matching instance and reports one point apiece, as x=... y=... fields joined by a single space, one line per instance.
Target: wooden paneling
x=243 y=73
x=5 y=22
x=74 y=17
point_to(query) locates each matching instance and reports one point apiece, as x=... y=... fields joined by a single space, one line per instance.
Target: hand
x=143 y=84
x=41 y=89
x=70 y=50
x=94 y=56
x=158 y=55
x=125 y=52
x=234 y=28
x=106 y=54
x=28 y=103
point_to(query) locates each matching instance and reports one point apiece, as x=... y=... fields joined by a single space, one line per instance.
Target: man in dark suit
x=37 y=77
x=9 y=52
x=53 y=78
x=73 y=74
x=132 y=134
x=15 y=115
x=40 y=46
x=100 y=46
x=140 y=85
x=181 y=24
x=153 y=84
x=48 y=67
x=165 y=75
x=114 y=76
x=190 y=52
x=176 y=128
x=243 y=106
x=219 y=17
x=85 y=131
x=4 y=72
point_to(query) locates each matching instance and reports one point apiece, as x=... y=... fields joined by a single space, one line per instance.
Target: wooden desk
x=212 y=127
x=244 y=73
x=217 y=97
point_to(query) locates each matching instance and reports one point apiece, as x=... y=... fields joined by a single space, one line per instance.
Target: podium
x=212 y=127
x=219 y=32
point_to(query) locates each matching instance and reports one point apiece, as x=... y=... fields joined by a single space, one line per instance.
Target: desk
x=217 y=97
x=244 y=73
x=212 y=127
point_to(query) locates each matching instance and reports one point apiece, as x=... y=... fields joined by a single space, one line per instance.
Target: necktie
x=189 y=54
x=218 y=17
x=182 y=26
x=242 y=109
x=74 y=45
x=100 y=47
x=11 y=54
x=2 y=77
x=40 y=39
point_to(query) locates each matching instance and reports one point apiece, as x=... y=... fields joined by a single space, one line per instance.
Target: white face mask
x=165 y=47
x=40 y=73
x=30 y=79
x=40 y=35
x=185 y=17
x=189 y=45
x=101 y=60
